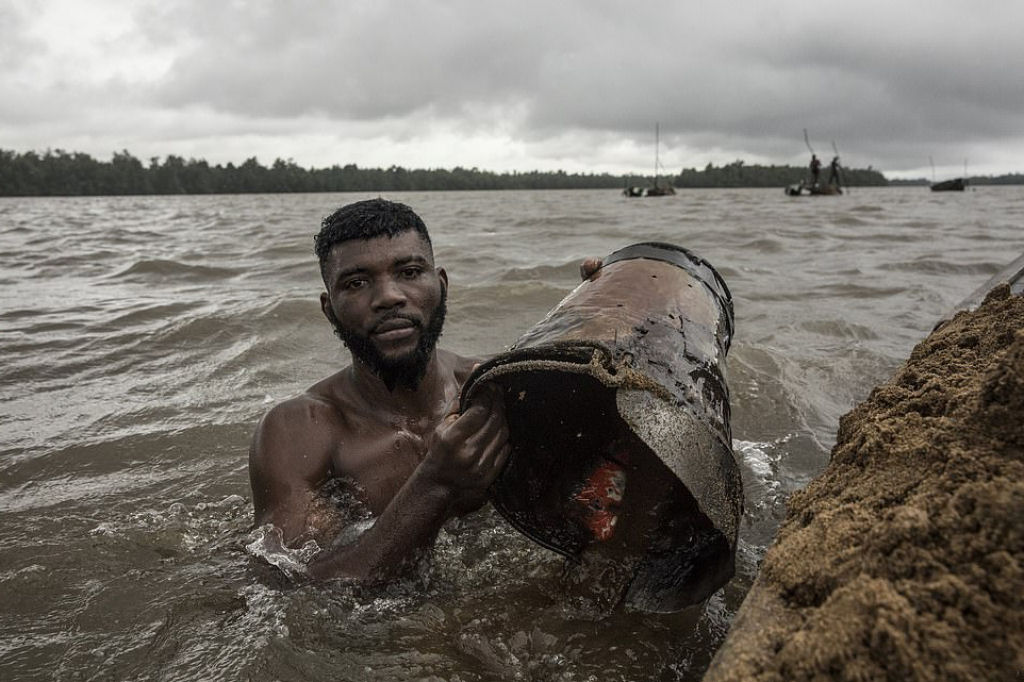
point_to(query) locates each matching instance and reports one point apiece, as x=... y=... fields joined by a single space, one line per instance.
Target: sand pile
x=904 y=560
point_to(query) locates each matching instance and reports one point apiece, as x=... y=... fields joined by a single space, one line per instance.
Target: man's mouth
x=394 y=328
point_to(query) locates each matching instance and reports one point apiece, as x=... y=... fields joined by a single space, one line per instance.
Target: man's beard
x=406 y=370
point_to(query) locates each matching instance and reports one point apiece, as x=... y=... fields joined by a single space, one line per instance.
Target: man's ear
x=325 y=307
x=443 y=276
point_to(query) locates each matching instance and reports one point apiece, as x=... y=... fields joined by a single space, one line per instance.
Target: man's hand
x=469 y=450
x=589 y=266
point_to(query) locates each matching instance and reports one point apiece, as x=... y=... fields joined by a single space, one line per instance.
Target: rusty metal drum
x=618 y=411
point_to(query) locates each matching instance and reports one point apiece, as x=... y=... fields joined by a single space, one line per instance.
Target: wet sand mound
x=904 y=560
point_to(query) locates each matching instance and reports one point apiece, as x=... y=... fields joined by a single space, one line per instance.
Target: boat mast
x=656 y=145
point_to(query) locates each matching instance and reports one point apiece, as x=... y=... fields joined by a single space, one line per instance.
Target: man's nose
x=388 y=294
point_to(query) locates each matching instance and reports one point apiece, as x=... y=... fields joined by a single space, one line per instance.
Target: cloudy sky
x=576 y=85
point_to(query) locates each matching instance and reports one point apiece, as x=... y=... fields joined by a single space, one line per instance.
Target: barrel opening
x=575 y=458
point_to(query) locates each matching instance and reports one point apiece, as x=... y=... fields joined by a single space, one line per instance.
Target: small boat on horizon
x=954 y=185
x=811 y=186
x=802 y=187
x=657 y=190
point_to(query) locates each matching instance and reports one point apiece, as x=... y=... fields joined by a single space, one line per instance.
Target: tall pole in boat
x=656 y=145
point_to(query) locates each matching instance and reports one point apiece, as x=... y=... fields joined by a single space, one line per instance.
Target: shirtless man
x=815 y=170
x=388 y=423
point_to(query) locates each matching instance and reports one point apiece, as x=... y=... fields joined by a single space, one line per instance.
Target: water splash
x=761 y=462
x=267 y=543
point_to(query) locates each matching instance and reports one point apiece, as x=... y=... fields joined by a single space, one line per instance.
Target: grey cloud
x=890 y=82
x=380 y=60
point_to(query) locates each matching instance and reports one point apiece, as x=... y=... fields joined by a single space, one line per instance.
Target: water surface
x=143 y=337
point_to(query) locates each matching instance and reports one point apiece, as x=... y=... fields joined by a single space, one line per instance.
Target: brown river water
x=142 y=338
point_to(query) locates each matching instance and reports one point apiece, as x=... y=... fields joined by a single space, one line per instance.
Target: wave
x=543 y=273
x=764 y=245
x=942 y=266
x=159 y=269
x=58 y=491
x=850 y=221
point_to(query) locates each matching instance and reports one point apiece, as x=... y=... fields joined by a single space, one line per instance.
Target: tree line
x=61 y=173
x=739 y=174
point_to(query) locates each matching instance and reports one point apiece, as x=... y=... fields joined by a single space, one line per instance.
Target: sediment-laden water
x=142 y=337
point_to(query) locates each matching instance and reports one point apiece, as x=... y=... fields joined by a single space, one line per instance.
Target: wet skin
x=415 y=460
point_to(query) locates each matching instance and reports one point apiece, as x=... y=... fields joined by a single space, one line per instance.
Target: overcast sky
x=574 y=85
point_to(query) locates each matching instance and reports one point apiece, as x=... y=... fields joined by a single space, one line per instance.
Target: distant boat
x=954 y=185
x=812 y=187
x=657 y=190
x=813 y=190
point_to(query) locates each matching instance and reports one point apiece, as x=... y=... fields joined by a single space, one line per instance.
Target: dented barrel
x=618 y=411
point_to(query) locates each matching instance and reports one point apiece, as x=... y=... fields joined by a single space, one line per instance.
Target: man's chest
x=380 y=463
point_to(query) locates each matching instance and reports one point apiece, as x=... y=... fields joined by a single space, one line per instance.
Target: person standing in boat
x=833 y=172
x=815 y=170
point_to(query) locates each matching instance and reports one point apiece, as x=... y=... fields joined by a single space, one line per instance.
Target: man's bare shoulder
x=306 y=423
x=317 y=403
x=329 y=393
x=300 y=412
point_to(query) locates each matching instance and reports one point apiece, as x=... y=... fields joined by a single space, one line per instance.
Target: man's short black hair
x=366 y=220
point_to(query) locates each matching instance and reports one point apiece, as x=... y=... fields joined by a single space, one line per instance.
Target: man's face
x=387 y=303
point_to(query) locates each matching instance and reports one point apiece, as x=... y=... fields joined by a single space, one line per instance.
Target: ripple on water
x=159 y=270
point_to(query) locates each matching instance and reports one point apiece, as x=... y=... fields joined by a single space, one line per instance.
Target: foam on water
x=267 y=543
x=762 y=487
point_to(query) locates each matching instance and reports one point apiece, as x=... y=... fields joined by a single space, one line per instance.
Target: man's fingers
x=492 y=431
x=476 y=441
x=492 y=460
x=488 y=394
x=589 y=266
x=502 y=458
x=460 y=427
x=486 y=402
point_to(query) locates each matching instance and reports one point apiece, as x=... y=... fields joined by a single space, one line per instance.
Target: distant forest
x=61 y=173
x=739 y=174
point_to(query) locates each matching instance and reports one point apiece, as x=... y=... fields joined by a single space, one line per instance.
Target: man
x=815 y=170
x=387 y=426
x=833 y=172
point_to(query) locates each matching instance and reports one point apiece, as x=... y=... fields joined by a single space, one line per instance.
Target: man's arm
x=463 y=456
x=289 y=460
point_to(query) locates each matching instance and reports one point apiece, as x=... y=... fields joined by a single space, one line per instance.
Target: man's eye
x=411 y=273
x=354 y=284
